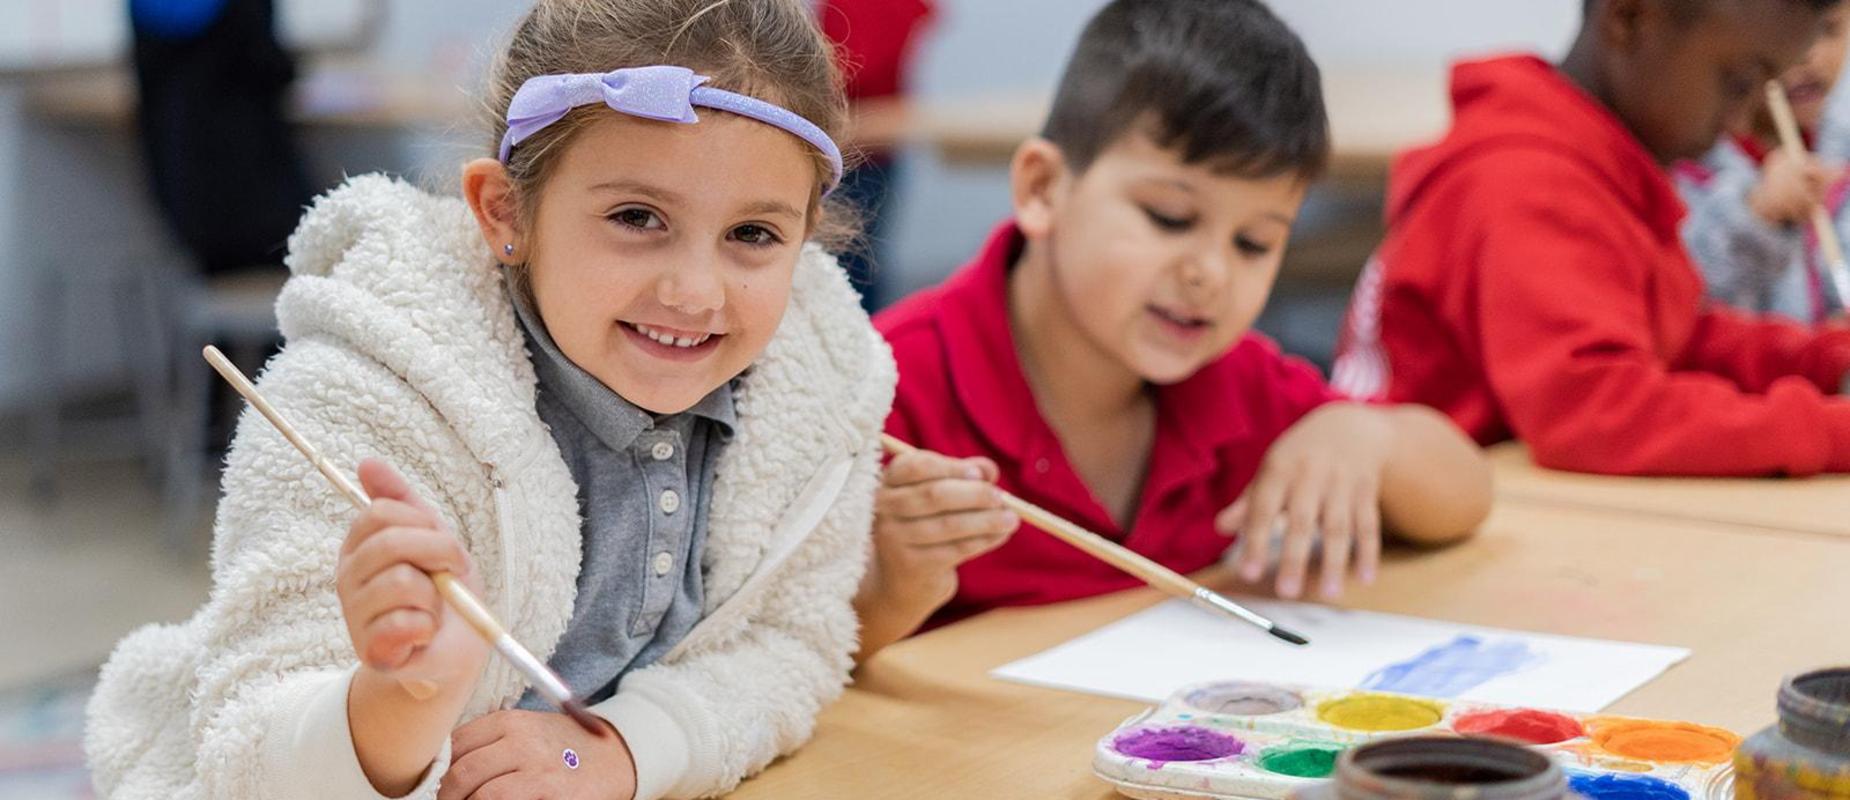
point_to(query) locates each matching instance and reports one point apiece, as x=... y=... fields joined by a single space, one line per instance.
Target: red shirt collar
x=989 y=382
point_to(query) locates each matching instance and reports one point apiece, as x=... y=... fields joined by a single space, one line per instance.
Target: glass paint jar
x=1442 y=768
x=1806 y=755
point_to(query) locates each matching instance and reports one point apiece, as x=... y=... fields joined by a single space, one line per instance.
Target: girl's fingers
x=395 y=636
x=423 y=548
x=470 y=772
x=382 y=482
x=934 y=497
x=384 y=514
x=400 y=586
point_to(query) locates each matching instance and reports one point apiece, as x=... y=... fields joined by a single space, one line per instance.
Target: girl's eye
x=1167 y=223
x=1250 y=247
x=638 y=218
x=755 y=235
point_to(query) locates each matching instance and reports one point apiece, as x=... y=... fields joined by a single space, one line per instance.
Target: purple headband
x=665 y=93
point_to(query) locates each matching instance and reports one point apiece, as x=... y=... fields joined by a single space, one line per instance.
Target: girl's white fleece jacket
x=402 y=345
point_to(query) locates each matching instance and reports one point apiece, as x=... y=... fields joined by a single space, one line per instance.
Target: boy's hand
x=1323 y=479
x=1791 y=184
x=931 y=514
x=399 y=624
x=524 y=754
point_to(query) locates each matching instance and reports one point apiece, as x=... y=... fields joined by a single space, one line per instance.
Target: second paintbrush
x=1134 y=563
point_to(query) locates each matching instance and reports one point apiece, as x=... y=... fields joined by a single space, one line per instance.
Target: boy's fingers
x=947 y=528
x=1227 y=522
x=1367 y=537
x=932 y=498
x=918 y=466
x=970 y=547
x=1265 y=497
x=1301 y=512
x=987 y=469
x=1338 y=534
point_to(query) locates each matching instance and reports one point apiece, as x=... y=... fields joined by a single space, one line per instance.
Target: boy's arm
x=1757 y=352
x=1435 y=486
x=1563 y=302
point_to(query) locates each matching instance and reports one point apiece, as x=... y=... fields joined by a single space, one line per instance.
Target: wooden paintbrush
x=549 y=684
x=1123 y=558
x=1835 y=269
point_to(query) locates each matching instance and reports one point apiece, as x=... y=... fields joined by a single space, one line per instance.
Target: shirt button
x=662 y=451
x=663 y=563
x=670 y=502
x=1041 y=465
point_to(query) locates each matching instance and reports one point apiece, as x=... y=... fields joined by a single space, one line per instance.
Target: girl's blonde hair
x=769 y=49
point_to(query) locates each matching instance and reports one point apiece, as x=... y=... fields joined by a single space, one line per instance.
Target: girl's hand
x=400 y=626
x=1791 y=184
x=521 y=754
x=1323 y=478
x=931 y=514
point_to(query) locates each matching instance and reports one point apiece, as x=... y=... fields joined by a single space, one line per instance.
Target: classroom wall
x=977 y=46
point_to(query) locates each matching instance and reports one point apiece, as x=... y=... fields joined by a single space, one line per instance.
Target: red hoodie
x=1533 y=285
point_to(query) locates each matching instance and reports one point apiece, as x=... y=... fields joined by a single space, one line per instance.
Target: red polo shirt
x=962 y=393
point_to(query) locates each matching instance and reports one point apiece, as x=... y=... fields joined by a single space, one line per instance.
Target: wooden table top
x=924 y=720
x=1818 y=505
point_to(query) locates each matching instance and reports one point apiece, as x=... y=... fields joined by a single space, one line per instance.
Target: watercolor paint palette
x=1265 y=741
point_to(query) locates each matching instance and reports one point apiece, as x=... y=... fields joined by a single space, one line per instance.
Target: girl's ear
x=1036 y=176
x=490 y=194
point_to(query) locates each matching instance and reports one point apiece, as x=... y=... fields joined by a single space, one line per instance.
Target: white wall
x=978 y=45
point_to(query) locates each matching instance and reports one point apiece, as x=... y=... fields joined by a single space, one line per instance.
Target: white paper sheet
x=1149 y=655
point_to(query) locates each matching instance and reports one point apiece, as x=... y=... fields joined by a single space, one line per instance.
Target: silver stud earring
x=507 y=249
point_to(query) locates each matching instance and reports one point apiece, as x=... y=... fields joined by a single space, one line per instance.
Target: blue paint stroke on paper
x=1456 y=667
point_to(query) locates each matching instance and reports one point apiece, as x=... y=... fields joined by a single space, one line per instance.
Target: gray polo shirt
x=644 y=483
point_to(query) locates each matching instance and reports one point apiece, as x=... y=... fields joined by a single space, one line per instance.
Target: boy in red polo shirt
x=1533 y=284
x=1095 y=357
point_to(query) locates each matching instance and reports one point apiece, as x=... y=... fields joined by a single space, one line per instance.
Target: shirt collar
x=988 y=380
x=611 y=418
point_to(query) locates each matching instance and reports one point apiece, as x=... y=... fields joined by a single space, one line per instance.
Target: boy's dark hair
x=1688 y=10
x=1225 y=81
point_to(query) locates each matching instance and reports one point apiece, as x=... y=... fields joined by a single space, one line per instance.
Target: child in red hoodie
x=1533 y=285
x=1095 y=357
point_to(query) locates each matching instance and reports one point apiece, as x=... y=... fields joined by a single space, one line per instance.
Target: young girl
x=611 y=388
x=1750 y=200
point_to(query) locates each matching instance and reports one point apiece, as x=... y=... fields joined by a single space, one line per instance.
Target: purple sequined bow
x=665 y=93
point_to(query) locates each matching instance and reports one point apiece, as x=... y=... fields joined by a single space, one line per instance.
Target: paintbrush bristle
x=585 y=719
x=1287 y=636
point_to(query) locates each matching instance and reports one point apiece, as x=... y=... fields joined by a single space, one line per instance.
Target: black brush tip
x=1287 y=636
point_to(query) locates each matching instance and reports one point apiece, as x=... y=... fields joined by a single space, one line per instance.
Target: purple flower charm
x=571 y=758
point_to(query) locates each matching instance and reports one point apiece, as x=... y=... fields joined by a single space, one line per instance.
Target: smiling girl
x=615 y=388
